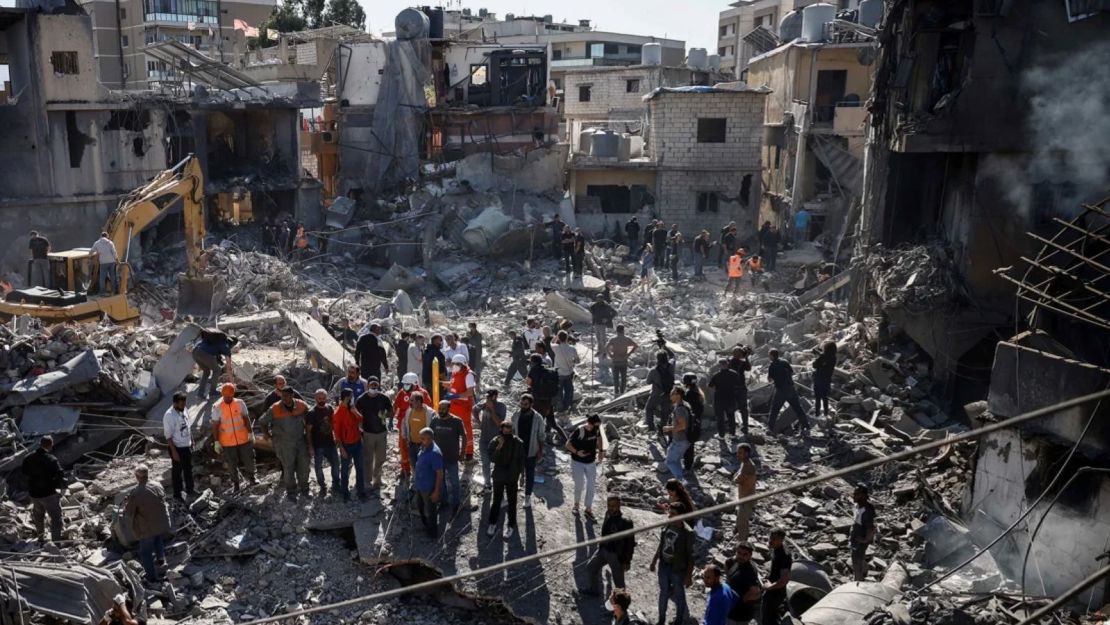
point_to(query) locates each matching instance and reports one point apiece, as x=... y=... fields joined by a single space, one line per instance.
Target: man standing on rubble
x=402 y=401
x=661 y=379
x=741 y=363
x=632 y=231
x=212 y=352
x=231 y=429
x=354 y=382
x=433 y=357
x=659 y=238
x=771 y=246
x=285 y=424
x=532 y=334
x=774 y=589
x=146 y=513
x=578 y=254
x=602 y=314
x=107 y=258
x=526 y=424
x=862 y=533
x=568 y=249
x=454 y=347
x=321 y=439
x=370 y=354
x=675 y=558
x=376 y=409
x=743 y=578
x=506 y=453
x=565 y=358
x=415 y=360
x=674 y=244
x=451 y=437
x=402 y=349
x=586 y=452
x=474 y=344
x=619 y=349
x=518 y=358
x=490 y=414
x=557 y=226
x=735 y=273
x=45 y=478
x=679 y=431
x=38 y=273
x=543 y=386
x=701 y=254
x=347 y=428
x=616 y=554
x=428 y=476
x=179 y=438
x=274 y=396
x=745 y=487
x=727 y=242
x=782 y=375
x=726 y=387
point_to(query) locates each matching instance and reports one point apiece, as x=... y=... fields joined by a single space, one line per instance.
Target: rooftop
x=724 y=87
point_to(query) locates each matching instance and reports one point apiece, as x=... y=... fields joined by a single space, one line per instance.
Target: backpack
x=548 y=384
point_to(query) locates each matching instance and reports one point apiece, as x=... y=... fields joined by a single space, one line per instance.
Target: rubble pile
x=917 y=277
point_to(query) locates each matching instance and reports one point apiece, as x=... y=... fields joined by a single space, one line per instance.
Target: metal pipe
x=1067 y=596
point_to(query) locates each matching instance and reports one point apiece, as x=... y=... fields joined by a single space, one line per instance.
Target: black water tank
x=435 y=29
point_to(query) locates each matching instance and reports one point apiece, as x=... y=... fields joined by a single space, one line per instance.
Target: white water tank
x=870 y=13
x=814 y=19
x=698 y=58
x=715 y=62
x=651 y=54
x=790 y=28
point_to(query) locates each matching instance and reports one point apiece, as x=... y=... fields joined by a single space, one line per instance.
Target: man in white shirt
x=175 y=425
x=533 y=334
x=105 y=251
x=565 y=357
x=455 y=347
x=415 y=363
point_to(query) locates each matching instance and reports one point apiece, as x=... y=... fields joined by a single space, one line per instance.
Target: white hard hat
x=458 y=359
x=410 y=378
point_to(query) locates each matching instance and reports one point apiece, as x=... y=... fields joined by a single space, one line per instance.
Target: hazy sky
x=694 y=21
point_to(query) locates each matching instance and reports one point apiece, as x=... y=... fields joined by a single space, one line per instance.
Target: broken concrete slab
x=75 y=592
x=320 y=345
x=399 y=277
x=39 y=420
x=82 y=368
x=564 y=307
x=177 y=363
x=237 y=322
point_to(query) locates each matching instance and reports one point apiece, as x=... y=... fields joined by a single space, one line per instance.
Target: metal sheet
x=39 y=420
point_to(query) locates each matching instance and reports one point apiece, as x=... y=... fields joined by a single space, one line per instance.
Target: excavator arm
x=198 y=295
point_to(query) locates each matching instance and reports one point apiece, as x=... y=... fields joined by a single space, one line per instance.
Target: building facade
x=122 y=29
x=735 y=43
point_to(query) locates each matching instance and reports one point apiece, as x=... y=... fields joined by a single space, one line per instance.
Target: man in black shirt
x=376 y=409
x=780 y=372
x=744 y=581
x=659 y=242
x=369 y=353
x=774 y=589
x=727 y=243
x=402 y=348
x=568 y=248
x=617 y=554
x=726 y=386
x=322 y=438
x=44 y=479
x=602 y=314
x=557 y=226
x=585 y=453
x=632 y=230
x=434 y=354
x=863 y=532
x=742 y=365
x=39 y=274
x=274 y=396
x=701 y=254
x=518 y=358
x=675 y=557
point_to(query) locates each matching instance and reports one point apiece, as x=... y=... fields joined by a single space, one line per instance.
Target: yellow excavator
x=74 y=272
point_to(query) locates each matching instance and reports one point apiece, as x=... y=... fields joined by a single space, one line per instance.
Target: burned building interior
x=855 y=265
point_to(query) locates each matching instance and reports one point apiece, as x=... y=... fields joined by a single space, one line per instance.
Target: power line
x=1067 y=596
x=782 y=490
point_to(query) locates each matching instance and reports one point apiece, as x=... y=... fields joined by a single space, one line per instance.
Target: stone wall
x=674 y=130
x=609 y=93
x=677 y=195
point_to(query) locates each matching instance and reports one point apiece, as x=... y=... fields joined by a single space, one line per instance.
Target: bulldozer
x=75 y=296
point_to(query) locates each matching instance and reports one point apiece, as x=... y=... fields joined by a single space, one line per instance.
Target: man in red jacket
x=410 y=384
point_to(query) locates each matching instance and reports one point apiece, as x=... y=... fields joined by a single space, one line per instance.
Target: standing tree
x=347 y=12
x=314 y=13
x=286 y=18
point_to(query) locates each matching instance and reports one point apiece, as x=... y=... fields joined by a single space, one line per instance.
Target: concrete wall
x=1073 y=533
x=66 y=33
x=609 y=95
x=674 y=130
x=358 y=73
x=676 y=201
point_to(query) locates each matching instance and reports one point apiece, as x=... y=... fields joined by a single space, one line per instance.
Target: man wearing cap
x=428 y=476
x=460 y=390
x=451 y=438
x=45 y=478
x=506 y=454
x=231 y=429
x=490 y=414
x=179 y=438
x=146 y=512
x=375 y=408
x=284 y=422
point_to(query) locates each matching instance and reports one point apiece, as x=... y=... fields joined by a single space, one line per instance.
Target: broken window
x=479 y=74
x=632 y=85
x=557 y=54
x=612 y=48
x=64 y=62
x=831 y=85
x=122 y=14
x=124 y=41
x=745 y=190
x=712 y=129
x=708 y=201
x=584 y=93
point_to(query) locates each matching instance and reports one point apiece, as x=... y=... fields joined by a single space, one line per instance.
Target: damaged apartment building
x=71 y=146
x=818 y=67
x=660 y=141
x=974 y=139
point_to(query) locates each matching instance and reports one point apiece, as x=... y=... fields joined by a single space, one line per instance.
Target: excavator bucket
x=200 y=297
